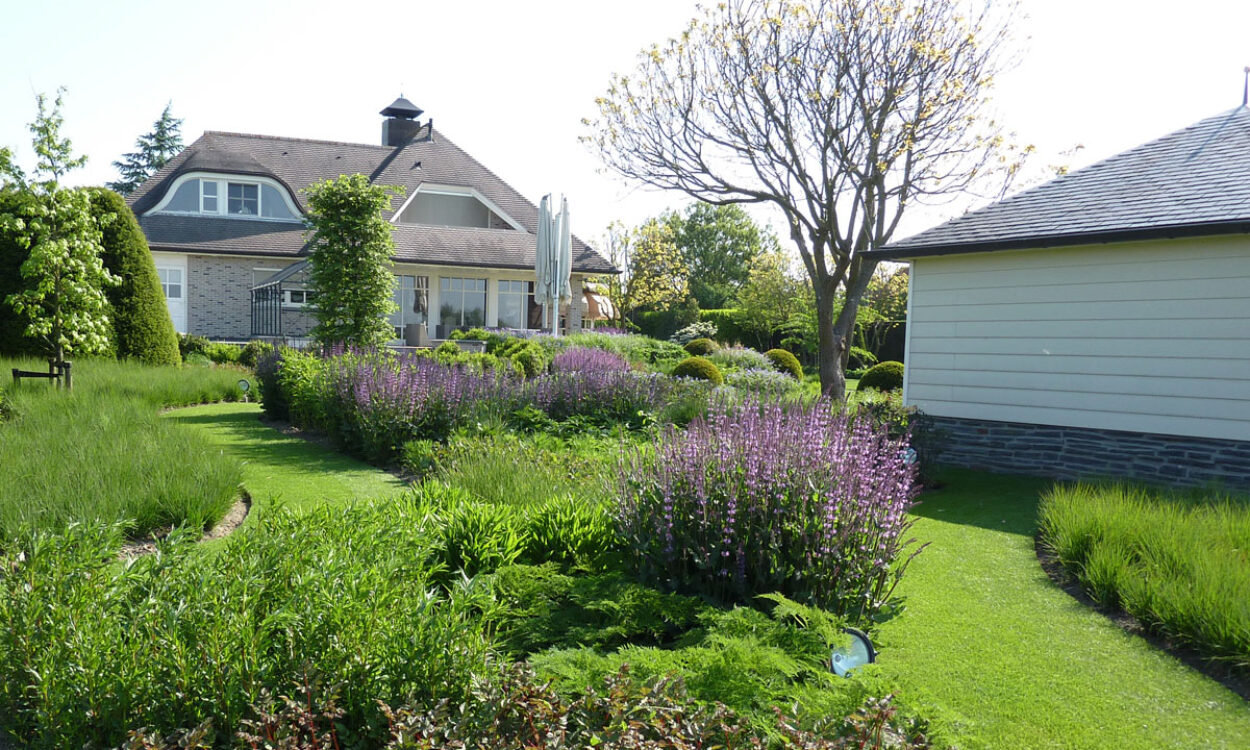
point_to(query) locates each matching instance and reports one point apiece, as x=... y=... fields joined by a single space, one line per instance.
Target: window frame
x=162 y=273
x=222 y=183
x=525 y=294
x=450 y=291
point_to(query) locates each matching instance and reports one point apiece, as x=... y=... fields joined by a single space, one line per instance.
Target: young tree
x=151 y=153
x=768 y=298
x=350 y=265
x=61 y=299
x=840 y=113
x=657 y=277
x=718 y=244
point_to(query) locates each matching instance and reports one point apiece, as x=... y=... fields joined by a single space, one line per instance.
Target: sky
x=511 y=81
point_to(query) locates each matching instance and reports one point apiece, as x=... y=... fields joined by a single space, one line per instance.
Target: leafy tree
x=657 y=277
x=142 y=328
x=839 y=113
x=350 y=265
x=718 y=244
x=152 y=151
x=769 y=297
x=61 y=299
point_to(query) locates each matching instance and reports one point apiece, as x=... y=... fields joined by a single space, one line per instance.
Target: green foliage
x=700 y=347
x=253 y=351
x=768 y=299
x=102 y=452
x=507 y=469
x=657 y=277
x=887 y=376
x=222 y=353
x=62 y=300
x=1176 y=561
x=731 y=328
x=55 y=153
x=572 y=531
x=697 y=330
x=142 y=329
x=527 y=356
x=480 y=537
x=698 y=368
x=349 y=266
x=189 y=343
x=349 y=595
x=717 y=244
x=662 y=324
x=153 y=151
x=785 y=362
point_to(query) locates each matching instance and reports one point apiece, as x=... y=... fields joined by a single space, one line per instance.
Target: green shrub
x=349 y=596
x=729 y=327
x=253 y=351
x=697 y=330
x=887 y=376
x=700 y=347
x=222 y=353
x=785 y=362
x=142 y=328
x=572 y=532
x=420 y=457
x=699 y=369
x=480 y=537
x=1175 y=560
x=198 y=359
x=189 y=343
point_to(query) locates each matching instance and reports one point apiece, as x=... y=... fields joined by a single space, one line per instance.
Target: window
x=444 y=209
x=171 y=282
x=223 y=197
x=514 y=298
x=208 y=197
x=412 y=297
x=243 y=199
x=462 y=302
x=297 y=297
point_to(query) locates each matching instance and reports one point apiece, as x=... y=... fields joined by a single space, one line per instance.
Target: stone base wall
x=1081 y=453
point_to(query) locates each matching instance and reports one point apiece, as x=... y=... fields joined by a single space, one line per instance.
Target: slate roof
x=298 y=163
x=1193 y=182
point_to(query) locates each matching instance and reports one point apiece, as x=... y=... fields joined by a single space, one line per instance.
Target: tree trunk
x=829 y=343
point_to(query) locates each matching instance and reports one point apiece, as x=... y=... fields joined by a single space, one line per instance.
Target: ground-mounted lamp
x=855 y=654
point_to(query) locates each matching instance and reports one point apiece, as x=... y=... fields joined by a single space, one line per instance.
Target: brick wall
x=1076 y=452
x=219 y=296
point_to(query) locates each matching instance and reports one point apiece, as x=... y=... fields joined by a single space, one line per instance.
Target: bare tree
x=841 y=113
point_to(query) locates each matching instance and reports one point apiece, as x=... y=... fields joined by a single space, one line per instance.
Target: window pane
x=457 y=284
x=175 y=275
x=210 y=205
x=163 y=274
x=173 y=291
x=475 y=307
x=242 y=200
x=210 y=188
x=272 y=204
x=510 y=311
x=186 y=198
x=444 y=283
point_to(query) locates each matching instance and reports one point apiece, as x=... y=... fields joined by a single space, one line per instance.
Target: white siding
x=1148 y=337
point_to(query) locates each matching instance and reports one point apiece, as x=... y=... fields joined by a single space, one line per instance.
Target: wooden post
x=65 y=375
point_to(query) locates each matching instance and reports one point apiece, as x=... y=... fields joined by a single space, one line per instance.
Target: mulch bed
x=1234 y=679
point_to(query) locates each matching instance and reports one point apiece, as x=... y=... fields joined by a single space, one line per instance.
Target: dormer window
x=252 y=198
x=449 y=206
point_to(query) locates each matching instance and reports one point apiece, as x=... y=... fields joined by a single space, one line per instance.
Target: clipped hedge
x=730 y=327
x=700 y=347
x=887 y=376
x=785 y=362
x=698 y=368
x=142 y=328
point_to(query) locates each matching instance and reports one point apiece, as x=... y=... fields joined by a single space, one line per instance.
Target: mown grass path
x=1017 y=663
x=279 y=468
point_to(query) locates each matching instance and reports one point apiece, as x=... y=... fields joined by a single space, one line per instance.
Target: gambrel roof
x=1193 y=182
x=297 y=163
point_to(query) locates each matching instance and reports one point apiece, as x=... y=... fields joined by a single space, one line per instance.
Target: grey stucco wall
x=1080 y=453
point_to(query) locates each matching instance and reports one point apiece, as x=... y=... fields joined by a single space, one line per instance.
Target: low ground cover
x=101 y=451
x=1177 y=561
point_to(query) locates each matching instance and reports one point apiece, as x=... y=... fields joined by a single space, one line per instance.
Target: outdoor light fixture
x=857 y=653
x=244 y=385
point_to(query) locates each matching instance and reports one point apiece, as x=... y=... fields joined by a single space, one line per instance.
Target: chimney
x=400 y=125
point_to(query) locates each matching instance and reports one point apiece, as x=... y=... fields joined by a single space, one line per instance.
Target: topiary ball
x=786 y=362
x=700 y=347
x=699 y=369
x=887 y=376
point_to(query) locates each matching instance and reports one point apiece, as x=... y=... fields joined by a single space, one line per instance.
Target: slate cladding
x=298 y=163
x=1192 y=182
x=1082 y=453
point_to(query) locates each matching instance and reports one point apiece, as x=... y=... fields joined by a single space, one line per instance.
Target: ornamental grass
x=766 y=497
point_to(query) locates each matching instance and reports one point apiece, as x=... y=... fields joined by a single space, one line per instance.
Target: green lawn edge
x=1014 y=660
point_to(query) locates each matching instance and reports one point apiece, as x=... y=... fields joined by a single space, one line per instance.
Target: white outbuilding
x=1098 y=324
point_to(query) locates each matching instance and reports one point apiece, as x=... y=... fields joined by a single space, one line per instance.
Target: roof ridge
x=261 y=137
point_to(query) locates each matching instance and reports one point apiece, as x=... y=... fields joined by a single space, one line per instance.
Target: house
x=224 y=221
x=1098 y=324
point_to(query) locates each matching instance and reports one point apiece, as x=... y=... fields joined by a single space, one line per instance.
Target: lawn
x=1014 y=661
x=284 y=469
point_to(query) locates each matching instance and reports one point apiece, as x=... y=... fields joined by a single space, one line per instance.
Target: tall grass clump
x=348 y=597
x=772 y=497
x=1178 y=561
x=101 y=452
